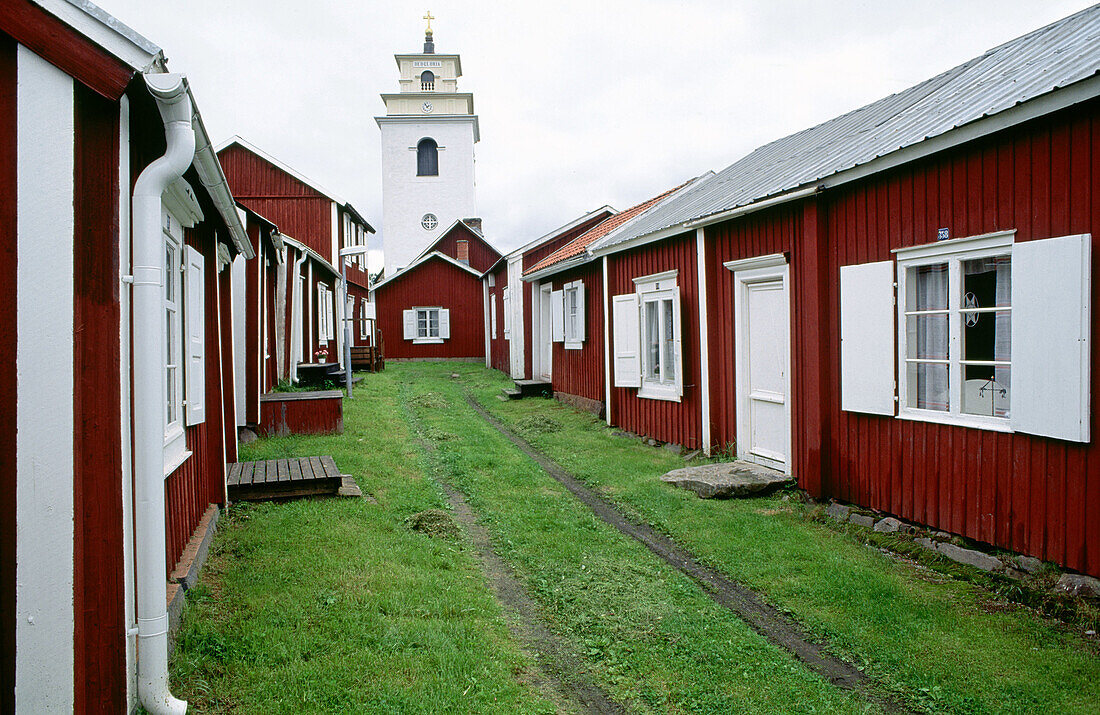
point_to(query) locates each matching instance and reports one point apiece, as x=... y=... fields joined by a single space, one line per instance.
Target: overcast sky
x=581 y=103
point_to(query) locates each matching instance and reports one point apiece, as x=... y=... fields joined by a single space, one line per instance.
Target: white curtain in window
x=932 y=337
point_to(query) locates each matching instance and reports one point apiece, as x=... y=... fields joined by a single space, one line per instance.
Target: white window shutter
x=627 y=341
x=557 y=316
x=408 y=319
x=196 y=337
x=493 y=316
x=507 y=306
x=1051 y=280
x=329 y=317
x=867 y=338
x=444 y=323
x=678 y=337
x=580 y=312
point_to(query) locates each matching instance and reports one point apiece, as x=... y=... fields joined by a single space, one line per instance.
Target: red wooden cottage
x=315 y=225
x=512 y=347
x=117 y=413
x=567 y=287
x=435 y=308
x=894 y=306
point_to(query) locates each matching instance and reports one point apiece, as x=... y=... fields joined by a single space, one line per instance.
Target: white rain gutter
x=753 y=207
x=174 y=102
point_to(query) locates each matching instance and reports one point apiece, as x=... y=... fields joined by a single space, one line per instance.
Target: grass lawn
x=336 y=606
x=943 y=643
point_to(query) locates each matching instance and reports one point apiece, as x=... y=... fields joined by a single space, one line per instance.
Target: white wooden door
x=546 y=334
x=763 y=367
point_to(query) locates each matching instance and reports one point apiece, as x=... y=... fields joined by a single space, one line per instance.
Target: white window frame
x=175 y=437
x=953 y=253
x=659 y=288
x=493 y=316
x=573 y=310
x=363 y=332
x=427 y=338
x=506 y=305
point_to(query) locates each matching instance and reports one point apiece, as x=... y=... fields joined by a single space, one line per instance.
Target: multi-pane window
x=957 y=334
x=659 y=340
x=571 y=314
x=427 y=322
x=175 y=442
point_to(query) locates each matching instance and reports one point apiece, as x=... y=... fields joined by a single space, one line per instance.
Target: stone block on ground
x=674 y=448
x=692 y=454
x=889 y=525
x=862 y=520
x=1029 y=563
x=970 y=557
x=838 y=511
x=926 y=543
x=1076 y=584
x=726 y=479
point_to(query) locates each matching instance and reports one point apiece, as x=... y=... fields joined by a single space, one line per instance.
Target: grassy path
x=337 y=606
x=945 y=644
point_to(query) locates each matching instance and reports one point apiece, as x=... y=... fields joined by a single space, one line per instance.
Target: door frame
x=543 y=326
x=746 y=273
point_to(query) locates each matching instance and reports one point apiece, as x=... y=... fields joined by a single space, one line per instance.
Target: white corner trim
x=44 y=620
x=996 y=239
x=643 y=281
x=606 y=348
x=769 y=261
x=704 y=345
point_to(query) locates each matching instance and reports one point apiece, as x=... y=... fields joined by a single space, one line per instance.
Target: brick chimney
x=474 y=223
x=462 y=249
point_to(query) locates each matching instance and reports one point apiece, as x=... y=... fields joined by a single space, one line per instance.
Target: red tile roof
x=579 y=244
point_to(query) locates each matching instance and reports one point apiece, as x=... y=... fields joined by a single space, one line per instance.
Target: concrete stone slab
x=862 y=520
x=888 y=525
x=726 y=479
x=838 y=511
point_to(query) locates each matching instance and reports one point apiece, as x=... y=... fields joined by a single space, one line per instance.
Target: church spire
x=429 y=44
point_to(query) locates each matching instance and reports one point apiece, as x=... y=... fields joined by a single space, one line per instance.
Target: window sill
x=569 y=345
x=175 y=461
x=992 y=424
x=427 y=341
x=654 y=392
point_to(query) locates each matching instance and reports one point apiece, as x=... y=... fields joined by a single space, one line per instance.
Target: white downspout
x=174 y=103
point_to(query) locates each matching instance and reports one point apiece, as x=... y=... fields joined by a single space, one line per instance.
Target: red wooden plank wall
x=1035 y=495
x=676 y=422
x=271 y=277
x=482 y=255
x=228 y=365
x=320 y=415
x=8 y=345
x=580 y=372
x=299 y=211
x=98 y=577
x=200 y=480
x=499 y=347
x=758 y=234
x=435 y=283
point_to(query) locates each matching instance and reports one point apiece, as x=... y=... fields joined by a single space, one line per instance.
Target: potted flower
x=321 y=355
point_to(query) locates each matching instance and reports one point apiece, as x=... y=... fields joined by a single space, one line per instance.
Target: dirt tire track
x=741 y=600
x=560 y=675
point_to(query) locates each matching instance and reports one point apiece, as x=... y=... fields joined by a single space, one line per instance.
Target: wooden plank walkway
x=288 y=478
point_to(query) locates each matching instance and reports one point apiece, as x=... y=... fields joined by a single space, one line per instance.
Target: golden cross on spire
x=429 y=18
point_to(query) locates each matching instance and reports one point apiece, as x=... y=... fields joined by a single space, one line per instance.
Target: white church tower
x=428 y=137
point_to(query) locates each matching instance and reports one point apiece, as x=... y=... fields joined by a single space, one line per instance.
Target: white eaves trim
x=425 y=259
x=303 y=248
x=562 y=265
x=560 y=230
x=108 y=32
x=443 y=235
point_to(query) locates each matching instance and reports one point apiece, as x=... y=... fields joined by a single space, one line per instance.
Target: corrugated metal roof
x=1052 y=57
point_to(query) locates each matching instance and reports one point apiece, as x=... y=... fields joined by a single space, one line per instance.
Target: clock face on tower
x=426 y=107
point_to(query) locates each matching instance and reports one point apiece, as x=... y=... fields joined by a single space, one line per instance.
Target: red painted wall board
x=482 y=255
x=581 y=372
x=434 y=283
x=499 y=345
x=98 y=577
x=676 y=422
x=299 y=211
